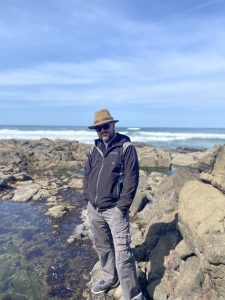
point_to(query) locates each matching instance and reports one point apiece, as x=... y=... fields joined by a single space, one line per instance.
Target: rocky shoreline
x=177 y=218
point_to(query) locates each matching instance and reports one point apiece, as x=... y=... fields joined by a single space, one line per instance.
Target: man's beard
x=108 y=138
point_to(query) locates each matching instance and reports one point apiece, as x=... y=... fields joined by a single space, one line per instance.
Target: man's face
x=106 y=131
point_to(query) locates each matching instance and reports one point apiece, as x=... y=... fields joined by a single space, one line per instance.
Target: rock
x=207 y=161
x=187 y=159
x=163 y=196
x=7 y=196
x=163 y=202
x=165 y=243
x=52 y=201
x=181 y=149
x=76 y=183
x=57 y=211
x=26 y=192
x=42 y=156
x=136 y=234
x=183 y=279
x=166 y=192
x=172 y=261
x=191 y=278
x=139 y=202
x=183 y=250
x=117 y=293
x=218 y=170
x=202 y=224
x=22 y=176
x=42 y=194
x=143 y=181
x=10 y=155
x=182 y=175
x=158 y=290
x=81 y=232
x=3 y=183
x=206 y=177
x=6 y=179
x=154 y=157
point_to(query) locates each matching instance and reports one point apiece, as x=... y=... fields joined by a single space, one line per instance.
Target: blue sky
x=152 y=63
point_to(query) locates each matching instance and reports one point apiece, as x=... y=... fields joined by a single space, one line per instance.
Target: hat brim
x=101 y=123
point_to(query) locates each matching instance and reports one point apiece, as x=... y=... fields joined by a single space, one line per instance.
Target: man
x=110 y=183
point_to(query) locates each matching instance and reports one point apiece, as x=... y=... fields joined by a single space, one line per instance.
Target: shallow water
x=36 y=262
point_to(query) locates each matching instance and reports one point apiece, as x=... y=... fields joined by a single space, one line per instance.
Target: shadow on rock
x=160 y=239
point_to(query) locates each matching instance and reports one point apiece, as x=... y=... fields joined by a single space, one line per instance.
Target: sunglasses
x=105 y=127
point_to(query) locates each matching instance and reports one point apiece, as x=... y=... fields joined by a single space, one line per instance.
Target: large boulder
x=154 y=157
x=187 y=159
x=182 y=175
x=207 y=161
x=202 y=224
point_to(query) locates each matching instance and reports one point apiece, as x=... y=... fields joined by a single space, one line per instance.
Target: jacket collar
x=115 y=141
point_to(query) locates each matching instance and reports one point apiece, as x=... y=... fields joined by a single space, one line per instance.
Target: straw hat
x=101 y=117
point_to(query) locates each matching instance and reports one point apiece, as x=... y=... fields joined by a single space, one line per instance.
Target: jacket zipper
x=96 y=196
x=118 y=188
x=103 y=159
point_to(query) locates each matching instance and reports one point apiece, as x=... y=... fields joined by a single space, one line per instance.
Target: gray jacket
x=111 y=175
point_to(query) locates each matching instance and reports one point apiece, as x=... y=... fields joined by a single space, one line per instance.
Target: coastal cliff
x=177 y=216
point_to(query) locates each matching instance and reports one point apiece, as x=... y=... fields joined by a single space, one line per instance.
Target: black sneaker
x=102 y=286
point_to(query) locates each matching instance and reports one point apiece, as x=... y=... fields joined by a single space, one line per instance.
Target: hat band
x=104 y=119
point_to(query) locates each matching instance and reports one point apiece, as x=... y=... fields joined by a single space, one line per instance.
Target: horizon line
x=124 y=126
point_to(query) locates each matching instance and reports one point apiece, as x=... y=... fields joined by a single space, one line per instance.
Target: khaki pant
x=111 y=238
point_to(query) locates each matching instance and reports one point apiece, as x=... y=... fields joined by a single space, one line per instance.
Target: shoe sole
x=106 y=290
x=96 y=293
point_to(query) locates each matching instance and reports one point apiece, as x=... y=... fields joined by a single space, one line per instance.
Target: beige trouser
x=111 y=238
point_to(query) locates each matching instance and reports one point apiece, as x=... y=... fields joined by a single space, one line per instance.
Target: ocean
x=160 y=137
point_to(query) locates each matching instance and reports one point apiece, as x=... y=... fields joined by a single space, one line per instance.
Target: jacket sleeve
x=131 y=178
x=87 y=171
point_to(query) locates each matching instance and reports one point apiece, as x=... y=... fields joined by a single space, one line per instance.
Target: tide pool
x=36 y=262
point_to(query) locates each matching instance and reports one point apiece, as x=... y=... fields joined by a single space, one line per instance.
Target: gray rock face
x=154 y=157
x=201 y=221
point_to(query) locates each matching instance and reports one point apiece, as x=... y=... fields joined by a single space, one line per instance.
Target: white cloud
x=176 y=63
